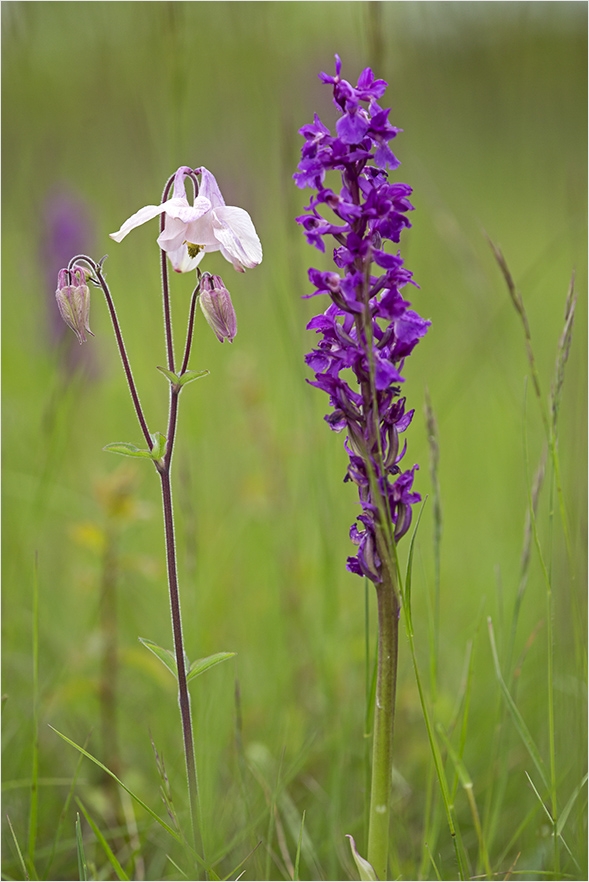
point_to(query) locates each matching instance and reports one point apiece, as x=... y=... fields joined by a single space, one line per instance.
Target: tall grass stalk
x=549 y=413
x=437 y=758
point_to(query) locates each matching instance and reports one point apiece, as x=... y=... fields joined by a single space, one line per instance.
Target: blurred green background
x=101 y=103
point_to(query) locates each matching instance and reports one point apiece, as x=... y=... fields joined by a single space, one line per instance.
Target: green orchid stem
x=384 y=717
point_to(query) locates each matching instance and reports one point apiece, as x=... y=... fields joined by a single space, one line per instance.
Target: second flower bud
x=215 y=302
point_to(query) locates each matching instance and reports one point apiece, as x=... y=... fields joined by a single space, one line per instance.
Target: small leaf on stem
x=182 y=379
x=165 y=655
x=124 y=448
x=201 y=665
x=189 y=376
x=172 y=377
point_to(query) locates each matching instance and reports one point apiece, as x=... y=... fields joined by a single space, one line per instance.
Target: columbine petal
x=173 y=235
x=140 y=217
x=237 y=237
x=179 y=208
x=229 y=230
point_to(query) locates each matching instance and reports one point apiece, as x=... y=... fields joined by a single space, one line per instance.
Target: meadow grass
x=104 y=100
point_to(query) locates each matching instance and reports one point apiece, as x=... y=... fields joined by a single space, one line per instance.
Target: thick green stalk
x=384 y=717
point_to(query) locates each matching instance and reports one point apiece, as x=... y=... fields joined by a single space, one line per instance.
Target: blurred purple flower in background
x=368 y=329
x=66 y=230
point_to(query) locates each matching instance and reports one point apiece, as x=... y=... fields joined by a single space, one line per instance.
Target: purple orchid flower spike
x=369 y=327
x=366 y=333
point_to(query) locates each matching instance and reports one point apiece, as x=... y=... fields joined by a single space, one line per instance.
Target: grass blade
x=82 y=864
x=466 y=782
x=298 y=854
x=437 y=758
x=63 y=814
x=134 y=796
x=518 y=720
x=567 y=809
x=18 y=851
x=551 y=820
x=107 y=849
x=173 y=862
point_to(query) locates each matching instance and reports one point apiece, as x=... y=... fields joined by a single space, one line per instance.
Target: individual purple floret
x=368 y=329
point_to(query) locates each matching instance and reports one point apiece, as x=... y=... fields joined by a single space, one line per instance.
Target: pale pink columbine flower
x=190 y=231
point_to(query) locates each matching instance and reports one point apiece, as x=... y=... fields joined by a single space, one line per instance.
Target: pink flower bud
x=215 y=302
x=73 y=300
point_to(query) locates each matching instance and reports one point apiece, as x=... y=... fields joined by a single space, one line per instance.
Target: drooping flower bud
x=73 y=300
x=215 y=302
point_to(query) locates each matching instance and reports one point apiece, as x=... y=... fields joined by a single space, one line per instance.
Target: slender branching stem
x=164 y=468
x=97 y=270
x=167 y=312
x=183 y=695
x=189 y=332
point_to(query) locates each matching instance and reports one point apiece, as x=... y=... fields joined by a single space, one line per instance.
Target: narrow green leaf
x=241 y=863
x=189 y=376
x=539 y=798
x=172 y=377
x=82 y=865
x=409 y=571
x=298 y=855
x=108 y=850
x=365 y=870
x=64 y=813
x=124 y=448
x=435 y=866
x=201 y=665
x=173 y=862
x=463 y=774
x=165 y=655
x=518 y=720
x=567 y=809
x=134 y=796
x=551 y=820
x=466 y=782
x=18 y=851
